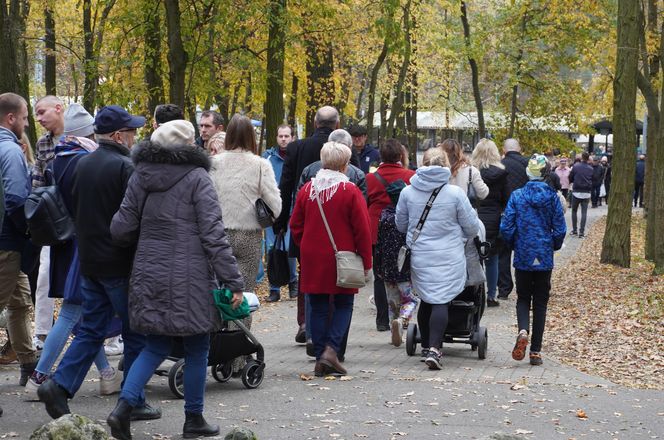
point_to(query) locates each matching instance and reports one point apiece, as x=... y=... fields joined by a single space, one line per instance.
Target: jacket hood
x=430 y=178
x=159 y=168
x=493 y=174
x=7 y=135
x=537 y=193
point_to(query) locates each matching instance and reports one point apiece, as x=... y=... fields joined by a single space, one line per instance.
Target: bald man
x=50 y=114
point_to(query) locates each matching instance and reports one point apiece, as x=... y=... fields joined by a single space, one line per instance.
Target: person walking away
x=464 y=175
x=397 y=289
x=598 y=176
x=99 y=185
x=276 y=156
x=344 y=209
x=515 y=164
x=164 y=113
x=581 y=178
x=171 y=213
x=14 y=288
x=639 y=180
x=437 y=260
x=487 y=159
x=367 y=154
x=607 y=178
x=534 y=225
x=562 y=170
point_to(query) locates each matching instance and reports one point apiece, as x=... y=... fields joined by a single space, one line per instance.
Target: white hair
x=334 y=156
x=341 y=136
x=511 y=145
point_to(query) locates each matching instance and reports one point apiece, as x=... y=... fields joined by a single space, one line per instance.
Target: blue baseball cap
x=113 y=118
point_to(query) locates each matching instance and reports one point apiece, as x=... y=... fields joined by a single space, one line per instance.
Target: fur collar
x=152 y=152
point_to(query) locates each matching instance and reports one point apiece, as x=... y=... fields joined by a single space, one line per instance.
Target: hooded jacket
x=171 y=212
x=533 y=225
x=437 y=262
x=16 y=188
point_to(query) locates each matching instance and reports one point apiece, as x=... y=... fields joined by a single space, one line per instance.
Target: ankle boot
x=26 y=372
x=120 y=420
x=329 y=358
x=196 y=426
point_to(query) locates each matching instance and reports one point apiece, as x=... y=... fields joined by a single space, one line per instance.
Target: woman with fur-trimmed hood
x=171 y=214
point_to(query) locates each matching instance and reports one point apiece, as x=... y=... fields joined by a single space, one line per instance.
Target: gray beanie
x=174 y=133
x=78 y=122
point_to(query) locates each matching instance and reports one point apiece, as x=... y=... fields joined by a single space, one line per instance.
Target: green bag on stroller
x=222 y=299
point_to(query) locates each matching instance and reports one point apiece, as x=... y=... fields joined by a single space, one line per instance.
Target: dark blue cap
x=113 y=118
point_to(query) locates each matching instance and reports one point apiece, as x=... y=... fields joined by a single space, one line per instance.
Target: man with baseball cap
x=99 y=186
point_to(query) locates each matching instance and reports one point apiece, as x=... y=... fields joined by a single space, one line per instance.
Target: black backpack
x=393 y=189
x=46 y=214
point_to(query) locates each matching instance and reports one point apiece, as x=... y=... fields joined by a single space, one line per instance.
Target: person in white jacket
x=463 y=174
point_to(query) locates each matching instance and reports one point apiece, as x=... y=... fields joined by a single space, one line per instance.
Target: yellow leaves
x=581 y=414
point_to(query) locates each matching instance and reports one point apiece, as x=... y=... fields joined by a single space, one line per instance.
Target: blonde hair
x=27 y=150
x=435 y=157
x=215 y=144
x=334 y=156
x=486 y=154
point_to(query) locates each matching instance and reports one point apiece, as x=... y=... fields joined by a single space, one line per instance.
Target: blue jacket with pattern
x=533 y=224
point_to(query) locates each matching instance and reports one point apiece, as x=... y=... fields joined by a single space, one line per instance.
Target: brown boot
x=7 y=354
x=329 y=358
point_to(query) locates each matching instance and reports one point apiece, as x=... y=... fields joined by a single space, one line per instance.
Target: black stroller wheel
x=222 y=372
x=483 y=344
x=176 y=379
x=411 y=339
x=252 y=374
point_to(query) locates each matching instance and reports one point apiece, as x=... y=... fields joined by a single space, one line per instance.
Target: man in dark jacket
x=639 y=180
x=368 y=155
x=581 y=178
x=100 y=182
x=515 y=165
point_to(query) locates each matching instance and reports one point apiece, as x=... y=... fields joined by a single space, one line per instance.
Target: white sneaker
x=37 y=343
x=114 y=346
x=30 y=391
x=112 y=384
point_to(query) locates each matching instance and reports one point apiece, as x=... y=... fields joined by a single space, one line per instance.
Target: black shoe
x=196 y=426
x=503 y=295
x=292 y=289
x=573 y=233
x=275 y=296
x=26 y=372
x=424 y=355
x=310 y=348
x=301 y=335
x=581 y=235
x=145 y=412
x=383 y=328
x=120 y=420
x=54 y=398
x=492 y=303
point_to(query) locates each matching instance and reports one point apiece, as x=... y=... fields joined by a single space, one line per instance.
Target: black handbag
x=472 y=194
x=264 y=214
x=278 y=268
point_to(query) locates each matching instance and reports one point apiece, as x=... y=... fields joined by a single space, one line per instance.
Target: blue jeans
x=329 y=328
x=491 y=268
x=69 y=315
x=307 y=323
x=156 y=349
x=269 y=242
x=103 y=298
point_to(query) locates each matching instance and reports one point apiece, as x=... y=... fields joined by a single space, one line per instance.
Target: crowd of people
x=162 y=222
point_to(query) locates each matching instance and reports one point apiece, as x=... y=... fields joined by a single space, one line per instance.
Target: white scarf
x=326 y=184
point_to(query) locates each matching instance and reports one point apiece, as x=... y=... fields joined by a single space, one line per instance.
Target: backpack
x=393 y=189
x=47 y=216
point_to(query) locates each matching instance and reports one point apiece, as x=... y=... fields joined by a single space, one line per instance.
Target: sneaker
x=112 y=384
x=424 y=355
x=519 y=350
x=581 y=235
x=573 y=233
x=397 y=332
x=492 y=303
x=292 y=289
x=535 y=358
x=434 y=359
x=7 y=354
x=114 y=346
x=35 y=381
x=38 y=342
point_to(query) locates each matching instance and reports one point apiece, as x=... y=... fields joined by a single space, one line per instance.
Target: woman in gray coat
x=171 y=214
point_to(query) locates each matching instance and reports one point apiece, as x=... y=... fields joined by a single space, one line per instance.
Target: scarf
x=326 y=184
x=71 y=143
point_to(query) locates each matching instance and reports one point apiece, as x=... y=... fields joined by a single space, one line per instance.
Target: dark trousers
x=432 y=321
x=505 y=283
x=594 y=196
x=638 y=194
x=380 y=299
x=532 y=289
x=565 y=193
x=330 y=320
x=584 y=213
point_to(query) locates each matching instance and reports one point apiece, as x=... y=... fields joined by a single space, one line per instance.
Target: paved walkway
x=388 y=394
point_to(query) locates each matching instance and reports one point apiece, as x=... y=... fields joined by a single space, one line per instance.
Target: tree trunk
x=320 y=85
x=177 y=56
x=9 y=38
x=93 y=39
x=248 y=95
x=292 y=105
x=276 y=48
x=360 y=96
x=49 y=43
x=656 y=213
x=515 y=87
x=474 y=71
x=382 y=133
x=371 y=96
x=616 y=244
x=397 y=104
x=152 y=57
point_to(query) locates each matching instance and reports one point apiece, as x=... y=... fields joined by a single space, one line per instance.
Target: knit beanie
x=78 y=122
x=537 y=166
x=174 y=134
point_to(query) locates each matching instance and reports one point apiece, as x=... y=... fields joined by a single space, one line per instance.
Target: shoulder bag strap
x=425 y=213
x=327 y=227
x=470 y=176
x=381 y=179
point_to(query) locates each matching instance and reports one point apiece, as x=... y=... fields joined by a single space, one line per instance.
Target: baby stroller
x=225 y=346
x=466 y=310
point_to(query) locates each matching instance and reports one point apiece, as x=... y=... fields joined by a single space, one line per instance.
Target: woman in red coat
x=347 y=216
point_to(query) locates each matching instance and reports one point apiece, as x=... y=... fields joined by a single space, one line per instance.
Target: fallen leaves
x=581 y=414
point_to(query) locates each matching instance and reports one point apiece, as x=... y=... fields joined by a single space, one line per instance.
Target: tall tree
x=94 y=24
x=177 y=56
x=616 y=247
x=276 y=48
x=320 y=84
x=49 y=43
x=474 y=70
x=152 y=54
